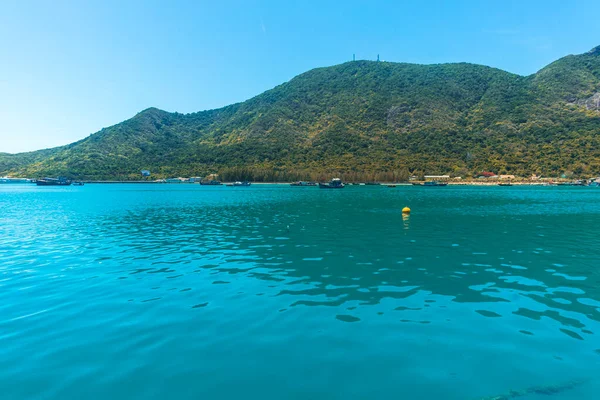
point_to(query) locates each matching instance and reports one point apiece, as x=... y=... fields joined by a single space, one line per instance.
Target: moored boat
x=573 y=183
x=7 y=179
x=60 y=181
x=435 y=183
x=335 y=183
x=303 y=183
x=211 y=183
x=238 y=183
x=77 y=183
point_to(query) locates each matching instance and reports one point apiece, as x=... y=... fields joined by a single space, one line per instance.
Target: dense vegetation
x=364 y=120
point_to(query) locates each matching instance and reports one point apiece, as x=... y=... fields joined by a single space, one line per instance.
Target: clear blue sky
x=69 y=68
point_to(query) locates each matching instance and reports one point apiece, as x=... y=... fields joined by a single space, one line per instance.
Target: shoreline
x=381 y=184
x=468 y=183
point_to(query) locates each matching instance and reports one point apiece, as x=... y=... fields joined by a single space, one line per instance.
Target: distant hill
x=360 y=118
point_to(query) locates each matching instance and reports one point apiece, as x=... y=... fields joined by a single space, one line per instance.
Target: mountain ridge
x=359 y=117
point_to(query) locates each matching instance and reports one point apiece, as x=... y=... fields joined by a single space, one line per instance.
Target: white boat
x=238 y=183
x=6 y=179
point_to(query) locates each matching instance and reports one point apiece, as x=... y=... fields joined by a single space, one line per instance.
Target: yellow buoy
x=406 y=210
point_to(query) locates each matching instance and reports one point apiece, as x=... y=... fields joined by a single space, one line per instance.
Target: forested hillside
x=360 y=119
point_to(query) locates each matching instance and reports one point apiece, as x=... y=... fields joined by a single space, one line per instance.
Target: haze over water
x=271 y=292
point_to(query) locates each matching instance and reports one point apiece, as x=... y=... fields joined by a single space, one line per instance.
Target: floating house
x=437 y=177
x=176 y=180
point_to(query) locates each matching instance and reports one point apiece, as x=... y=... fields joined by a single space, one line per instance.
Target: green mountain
x=360 y=118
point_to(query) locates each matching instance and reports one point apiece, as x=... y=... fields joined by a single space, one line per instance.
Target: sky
x=70 y=68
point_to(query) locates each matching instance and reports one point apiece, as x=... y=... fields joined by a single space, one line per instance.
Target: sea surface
x=142 y=291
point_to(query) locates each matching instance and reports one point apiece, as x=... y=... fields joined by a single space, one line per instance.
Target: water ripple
x=473 y=277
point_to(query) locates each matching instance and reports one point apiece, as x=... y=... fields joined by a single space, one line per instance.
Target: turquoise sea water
x=272 y=292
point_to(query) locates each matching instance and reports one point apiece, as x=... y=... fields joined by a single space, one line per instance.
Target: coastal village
x=485 y=178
